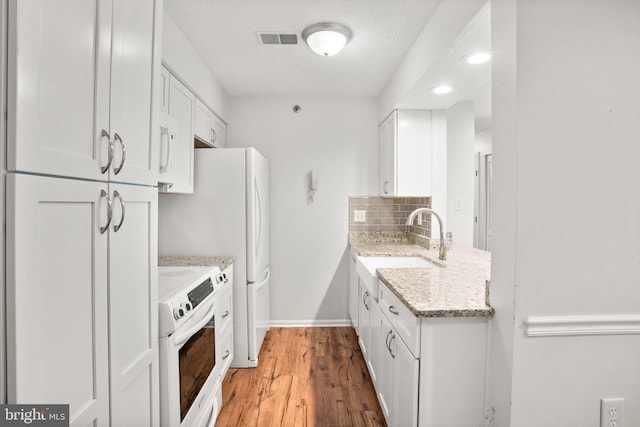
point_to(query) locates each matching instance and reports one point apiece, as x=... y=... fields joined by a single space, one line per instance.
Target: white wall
x=338 y=137
x=439 y=167
x=460 y=172
x=565 y=114
x=182 y=59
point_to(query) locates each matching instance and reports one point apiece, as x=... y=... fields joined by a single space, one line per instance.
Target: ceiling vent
x=278 y=38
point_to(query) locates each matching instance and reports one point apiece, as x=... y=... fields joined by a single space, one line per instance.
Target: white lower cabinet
x=82 y=298
x=365 y=300
x=423 y=369
x=406 y=379
x=224 y=326
x=133 y=306
x=398 y=379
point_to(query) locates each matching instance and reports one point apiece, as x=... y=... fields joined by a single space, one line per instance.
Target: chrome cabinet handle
x=226 y=314
x=117 y=195
x=164 y=132
x=116 y=137
x=393 y=337
x=109 y=211
x=226 y=355
x=386 y=341
x=384 y=187
x=214 y=136
x=365 y=296
x=108 y=165
x=393 y=310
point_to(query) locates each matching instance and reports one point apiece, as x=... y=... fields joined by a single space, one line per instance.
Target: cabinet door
x=388 y=156
x=407 y=384
x=364 y=326
x=219 y=132
x=353 y=293
x=209 y=130
x=57 y=331
x=375 y=341
x=167 y=156
x=163 y=97
x=182 y=105
x=131 y=89
x=386 y=386
x=413 y=153
x=56 y=83
x=133 y=306
x=398 y=379
x=203 y=127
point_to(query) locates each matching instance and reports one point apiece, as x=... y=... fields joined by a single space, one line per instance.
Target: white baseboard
x=310 y=323
x=597 y=324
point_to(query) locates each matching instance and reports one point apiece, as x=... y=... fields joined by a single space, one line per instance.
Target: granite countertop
x=184 y=261
x=455 y=287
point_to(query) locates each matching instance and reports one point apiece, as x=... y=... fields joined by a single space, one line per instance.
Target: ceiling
x=225 y=33
x=469 y=82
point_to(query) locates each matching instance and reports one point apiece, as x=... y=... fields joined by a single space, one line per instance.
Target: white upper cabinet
x=131 y=92
x=388 y=156
x=209 y=130
x=167 y=157
x=80 y=89
x=182 y=107
x=405 y=154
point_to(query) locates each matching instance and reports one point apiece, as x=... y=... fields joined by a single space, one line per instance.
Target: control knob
x=186 y=306
x=178 y=312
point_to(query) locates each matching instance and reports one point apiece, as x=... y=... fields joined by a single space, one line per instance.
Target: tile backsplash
x=388 y=214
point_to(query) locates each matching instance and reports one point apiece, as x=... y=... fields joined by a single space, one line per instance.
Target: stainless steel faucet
x=443 y=247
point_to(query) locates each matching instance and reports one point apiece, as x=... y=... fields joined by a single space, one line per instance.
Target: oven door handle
x=182 y=337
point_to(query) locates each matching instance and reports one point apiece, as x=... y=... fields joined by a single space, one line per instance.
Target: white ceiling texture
x=225 y=33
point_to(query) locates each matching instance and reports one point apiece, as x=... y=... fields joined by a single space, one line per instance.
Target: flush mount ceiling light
x=478 y=58
x=326 y=38
x=442 y=90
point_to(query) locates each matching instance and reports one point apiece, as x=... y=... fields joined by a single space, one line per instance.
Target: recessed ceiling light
x=478 y=58
x=442 y=90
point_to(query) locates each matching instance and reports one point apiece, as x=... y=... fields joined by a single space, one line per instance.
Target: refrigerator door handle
x=260 y=284
x=259 y=237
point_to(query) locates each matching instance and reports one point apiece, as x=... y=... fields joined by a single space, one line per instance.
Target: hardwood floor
x=310 y=377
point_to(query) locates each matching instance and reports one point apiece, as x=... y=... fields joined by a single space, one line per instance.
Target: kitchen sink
x=366 y=268
x=375 y=262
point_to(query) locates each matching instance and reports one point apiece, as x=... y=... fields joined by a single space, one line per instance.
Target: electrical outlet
x=612 y=412
x=419 y=219
x=359 y=216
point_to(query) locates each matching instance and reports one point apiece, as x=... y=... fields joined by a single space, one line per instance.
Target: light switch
x=359 y=216
x=458 y=204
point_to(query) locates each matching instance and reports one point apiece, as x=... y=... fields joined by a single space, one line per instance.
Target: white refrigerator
x=227 y=215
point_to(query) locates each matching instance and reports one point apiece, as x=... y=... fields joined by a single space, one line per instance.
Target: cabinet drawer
x=405 y=323
x=224 y=352
x=224 y=310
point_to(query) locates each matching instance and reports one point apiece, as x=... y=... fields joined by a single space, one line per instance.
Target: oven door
x=188 y=364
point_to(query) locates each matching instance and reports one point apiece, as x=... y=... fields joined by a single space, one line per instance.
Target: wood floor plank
x=306 y=377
